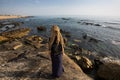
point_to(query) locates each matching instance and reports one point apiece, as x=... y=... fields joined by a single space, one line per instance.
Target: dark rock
x=65 y=18
x=97 y=24
x=93 y=40
x=78 y=22
x=41 y=28
x=109 y=71
x=85 y=36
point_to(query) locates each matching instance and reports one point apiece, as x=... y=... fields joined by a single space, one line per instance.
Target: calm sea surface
x=106 y=30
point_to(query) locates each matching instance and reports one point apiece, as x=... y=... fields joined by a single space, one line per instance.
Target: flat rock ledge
x=28 y=63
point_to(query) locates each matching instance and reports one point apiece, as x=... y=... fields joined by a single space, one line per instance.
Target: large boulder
x=109 y=71
x=109 y=68
x=18 y=33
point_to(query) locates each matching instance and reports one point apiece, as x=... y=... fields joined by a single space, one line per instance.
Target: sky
x=61 y=7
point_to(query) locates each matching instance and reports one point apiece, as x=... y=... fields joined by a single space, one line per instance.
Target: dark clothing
x=56 y=57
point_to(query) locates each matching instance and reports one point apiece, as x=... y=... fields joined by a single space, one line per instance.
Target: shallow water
x=107 y=31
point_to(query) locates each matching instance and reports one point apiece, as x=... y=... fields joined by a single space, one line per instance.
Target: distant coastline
x=2 y=17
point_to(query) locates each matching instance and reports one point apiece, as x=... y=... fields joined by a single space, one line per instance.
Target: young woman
x=56 y=47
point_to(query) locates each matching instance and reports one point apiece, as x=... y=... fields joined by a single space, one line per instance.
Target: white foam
x=116 y=42
x=110 y=60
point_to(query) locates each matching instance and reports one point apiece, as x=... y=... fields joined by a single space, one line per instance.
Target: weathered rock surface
x=28 y=63
x=109 y=71
x=108 y=68
x=2 y=39
x=34 y=41
x=13 y=45
x=85 y=63
x=18 y=33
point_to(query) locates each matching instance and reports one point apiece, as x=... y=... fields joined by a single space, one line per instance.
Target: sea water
x=105 y=30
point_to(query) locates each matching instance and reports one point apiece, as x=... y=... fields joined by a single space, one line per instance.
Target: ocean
x=98 y=34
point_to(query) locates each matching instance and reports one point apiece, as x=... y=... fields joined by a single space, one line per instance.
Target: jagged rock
x=18 y=33
x=77 y=58
x=85 y=63
x=13 y=45
x=41 y=28
x=93 y=40
x=34 y=41
x=109 y=71
x=2 y=39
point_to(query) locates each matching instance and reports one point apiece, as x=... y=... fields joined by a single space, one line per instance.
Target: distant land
x=11 y=16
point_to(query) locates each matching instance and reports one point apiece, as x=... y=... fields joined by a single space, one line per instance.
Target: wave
x=114 y=28
x=115 y=42
x=114 y=23
x=110 y=59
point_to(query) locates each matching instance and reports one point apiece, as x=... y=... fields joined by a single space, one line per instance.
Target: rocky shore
x=26 y=57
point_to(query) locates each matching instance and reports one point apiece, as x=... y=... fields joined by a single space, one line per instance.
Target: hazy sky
x=61 y=7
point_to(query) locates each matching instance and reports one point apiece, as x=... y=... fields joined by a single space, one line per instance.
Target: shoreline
x=87 y=60
x=2 y=17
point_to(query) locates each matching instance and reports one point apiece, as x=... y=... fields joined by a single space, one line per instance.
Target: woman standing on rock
x=56 y=47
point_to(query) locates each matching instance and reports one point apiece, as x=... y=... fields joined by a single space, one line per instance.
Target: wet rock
x=85 y=36
x=85 y=63
x=97 y=24
x=18 y=33
x=65 y=18
x=7 y=27
x=34 y=41
x=41 y=28
x=89 y=38
x=87 y=23
x=93 y=40
x=90 y=23
x=78 y=22
x=109 y=71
